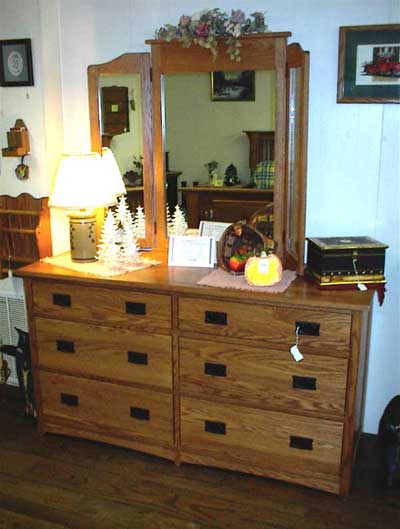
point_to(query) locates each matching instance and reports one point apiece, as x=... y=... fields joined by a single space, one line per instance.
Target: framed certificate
x=191 y=251
x=212 y=229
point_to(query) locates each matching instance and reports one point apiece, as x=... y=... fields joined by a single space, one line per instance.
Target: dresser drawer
x=107 y=306
x=263 y=378
x=93 y=350
x=103 y=406
x=267 y=441
x=320 y=332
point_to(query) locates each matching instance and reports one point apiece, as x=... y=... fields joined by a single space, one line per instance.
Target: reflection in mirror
x=259 y=53
x=200 y=130
x=121 y=118
x=293 y=162
x=120 y=108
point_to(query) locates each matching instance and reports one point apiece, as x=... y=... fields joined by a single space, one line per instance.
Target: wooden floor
x=57 y=482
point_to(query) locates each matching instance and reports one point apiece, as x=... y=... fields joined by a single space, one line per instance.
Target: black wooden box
x=345 y=260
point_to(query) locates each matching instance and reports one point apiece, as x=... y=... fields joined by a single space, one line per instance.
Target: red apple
x=237 y=263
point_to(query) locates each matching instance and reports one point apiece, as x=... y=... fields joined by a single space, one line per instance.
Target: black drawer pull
x=137 y=358
x=141 y=414
x=215 y=370
x=135 y=308
x=215 y=427
x=69 y=400
x=65 y=346
x=62 y=300
x=217 y=318
x=308 y=328
x=302 y=443
x=309 y=383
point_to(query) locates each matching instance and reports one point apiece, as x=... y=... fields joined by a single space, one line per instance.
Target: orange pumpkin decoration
x=265 y=270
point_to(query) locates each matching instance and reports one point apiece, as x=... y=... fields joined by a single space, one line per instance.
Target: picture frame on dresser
x=369 y=64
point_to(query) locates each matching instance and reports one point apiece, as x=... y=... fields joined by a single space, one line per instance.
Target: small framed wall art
x=233 y=86
x=369 y=64
x=16 y=63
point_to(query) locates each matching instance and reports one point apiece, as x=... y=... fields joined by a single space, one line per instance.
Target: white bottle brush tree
x=129 y=246
x=179 y=224
x=122 y=213
x=127 y=233
x=169 y=221
x=140 y=223
x=109 y=247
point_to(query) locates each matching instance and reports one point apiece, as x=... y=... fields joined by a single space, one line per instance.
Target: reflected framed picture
x=16 y=63
x=369 y=64
x=233 y=86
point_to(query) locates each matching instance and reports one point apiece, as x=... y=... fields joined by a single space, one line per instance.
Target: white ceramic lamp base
x=83 y=237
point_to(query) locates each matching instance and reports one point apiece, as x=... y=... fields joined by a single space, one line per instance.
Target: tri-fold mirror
x=250 y=115
x=120 y=118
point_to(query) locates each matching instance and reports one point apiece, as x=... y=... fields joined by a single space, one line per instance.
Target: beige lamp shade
x=84 y=181
x=112 y=172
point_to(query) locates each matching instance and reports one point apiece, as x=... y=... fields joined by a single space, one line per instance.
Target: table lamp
x=114 y=177
x=83 y=183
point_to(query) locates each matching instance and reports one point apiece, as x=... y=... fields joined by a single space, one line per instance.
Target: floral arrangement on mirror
x=204 y=27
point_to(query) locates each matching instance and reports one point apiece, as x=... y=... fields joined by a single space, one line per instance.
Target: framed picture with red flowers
x=369 y=64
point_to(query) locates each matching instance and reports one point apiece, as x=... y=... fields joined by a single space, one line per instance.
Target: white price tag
x=294 y=350
x=361 y=287
x=263 y=265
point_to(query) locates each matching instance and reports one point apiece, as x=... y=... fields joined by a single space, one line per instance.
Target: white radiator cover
x=12 y=314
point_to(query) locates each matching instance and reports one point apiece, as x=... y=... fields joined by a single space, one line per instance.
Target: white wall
x=21 y=19
x=353 y=175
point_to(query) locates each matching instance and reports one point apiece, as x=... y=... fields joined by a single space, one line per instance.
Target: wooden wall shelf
x=18 y=141
x=24 y=231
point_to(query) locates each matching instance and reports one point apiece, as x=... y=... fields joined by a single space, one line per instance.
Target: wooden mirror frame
x=129 y=63
x=267 y=51
x=298 y=59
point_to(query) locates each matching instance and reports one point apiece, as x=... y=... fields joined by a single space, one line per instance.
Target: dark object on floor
x=22 y=354
x=389 y=440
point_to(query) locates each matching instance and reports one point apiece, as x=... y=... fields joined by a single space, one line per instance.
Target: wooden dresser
x=223 y=204
x=152 y=361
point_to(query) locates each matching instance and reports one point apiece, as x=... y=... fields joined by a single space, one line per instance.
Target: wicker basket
x=262 y=220
x=240 y=239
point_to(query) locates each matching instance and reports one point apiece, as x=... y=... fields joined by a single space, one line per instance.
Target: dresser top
x=183 y=280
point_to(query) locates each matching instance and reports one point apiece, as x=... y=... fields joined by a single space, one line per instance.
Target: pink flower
x=238 y=17
x=184 y=21
x=201 y=30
